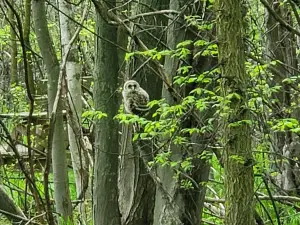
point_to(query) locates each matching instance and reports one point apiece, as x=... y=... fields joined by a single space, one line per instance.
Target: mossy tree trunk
x=238 y=160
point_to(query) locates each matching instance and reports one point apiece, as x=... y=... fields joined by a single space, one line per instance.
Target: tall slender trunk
x=59 y=161
x=79 y=162
x=281 y=46
x=26 y=32
x=14 y=48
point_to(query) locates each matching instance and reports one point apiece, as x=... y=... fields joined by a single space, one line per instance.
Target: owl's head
x=131 y=85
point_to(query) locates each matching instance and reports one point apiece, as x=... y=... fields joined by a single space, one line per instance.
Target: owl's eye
x=129 y=86
x=134 y=86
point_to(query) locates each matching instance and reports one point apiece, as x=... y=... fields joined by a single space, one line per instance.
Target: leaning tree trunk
x=105 y=194
x=238 y=159
x=59 y=161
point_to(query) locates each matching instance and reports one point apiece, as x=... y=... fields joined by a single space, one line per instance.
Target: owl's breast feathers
x=138 y=103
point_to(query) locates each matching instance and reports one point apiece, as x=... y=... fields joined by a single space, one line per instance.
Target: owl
x=135 y=98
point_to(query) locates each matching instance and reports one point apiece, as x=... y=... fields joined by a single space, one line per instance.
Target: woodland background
x=219 y=145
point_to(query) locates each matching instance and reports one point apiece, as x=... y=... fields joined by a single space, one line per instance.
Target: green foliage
x=5 y=35
x=202 y=96
x=94 y=115
x=169 y=126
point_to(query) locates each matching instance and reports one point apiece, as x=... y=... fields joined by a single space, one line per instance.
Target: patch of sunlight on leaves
x=284 y=124
x=181 y=53
x=184 y=43
x=163 y=158
x=92 y=114
x=184 y=69
x=186 y=165
x=240 y=123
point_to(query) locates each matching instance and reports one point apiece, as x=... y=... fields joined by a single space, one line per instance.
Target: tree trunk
x=26 y=32
x=79 y=162
x=164 y=212
x=59 y=162
x=105 y=194
x=238 y=160
x=14 y=48
x=135 y=184
x=188 y=204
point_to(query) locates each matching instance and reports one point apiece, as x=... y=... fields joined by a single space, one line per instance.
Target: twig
x=272 y=199
x=159 y=12
x=31 y=220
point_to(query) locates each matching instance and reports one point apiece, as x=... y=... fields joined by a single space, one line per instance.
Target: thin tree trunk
x=238 y=159
x=14 y=47
x=26 y=31
x=105 y=194
x=275 y=49
x=79 y=162
x=59 y=162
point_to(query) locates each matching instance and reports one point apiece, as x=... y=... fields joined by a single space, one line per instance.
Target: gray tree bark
x=187 y=205
x=59 y=162
x=79 y=161
x=105 y=194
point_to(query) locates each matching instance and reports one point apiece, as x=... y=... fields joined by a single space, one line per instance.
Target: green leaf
x=184 y=43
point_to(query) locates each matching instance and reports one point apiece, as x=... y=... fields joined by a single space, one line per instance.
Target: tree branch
x=279 y=19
